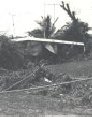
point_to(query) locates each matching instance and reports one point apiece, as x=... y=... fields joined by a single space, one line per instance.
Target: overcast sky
x=25 y=12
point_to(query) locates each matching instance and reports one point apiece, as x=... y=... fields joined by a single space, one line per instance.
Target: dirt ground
x=24 y=104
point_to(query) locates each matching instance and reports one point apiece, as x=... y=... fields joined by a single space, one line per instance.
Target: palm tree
x=47 y=28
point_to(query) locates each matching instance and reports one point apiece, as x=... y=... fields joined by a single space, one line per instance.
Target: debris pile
x=76 y=92
x=38 y=75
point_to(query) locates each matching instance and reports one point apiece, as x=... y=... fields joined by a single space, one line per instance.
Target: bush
x=10 y=58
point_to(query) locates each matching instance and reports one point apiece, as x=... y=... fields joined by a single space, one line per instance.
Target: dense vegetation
x=10 y=57
x=12 y=54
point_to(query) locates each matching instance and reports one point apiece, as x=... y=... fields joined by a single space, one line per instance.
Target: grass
x=74 y=69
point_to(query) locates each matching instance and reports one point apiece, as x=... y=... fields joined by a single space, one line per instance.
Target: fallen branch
x=42 y=87
x=23 y=80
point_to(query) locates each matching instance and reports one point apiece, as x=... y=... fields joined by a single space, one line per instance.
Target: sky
x=19 y=16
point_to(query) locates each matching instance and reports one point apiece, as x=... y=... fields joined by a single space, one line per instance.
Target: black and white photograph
x=45 y=58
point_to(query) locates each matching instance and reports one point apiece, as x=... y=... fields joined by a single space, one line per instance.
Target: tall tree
x=76 y=30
